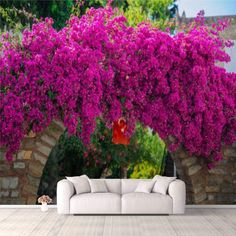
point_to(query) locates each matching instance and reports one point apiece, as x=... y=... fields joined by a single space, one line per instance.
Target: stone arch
x=19 y=181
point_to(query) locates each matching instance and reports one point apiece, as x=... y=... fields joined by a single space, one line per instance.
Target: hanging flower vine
x=99 y=66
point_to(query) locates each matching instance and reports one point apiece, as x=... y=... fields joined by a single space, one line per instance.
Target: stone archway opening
x=20 y=181
x=67 y=158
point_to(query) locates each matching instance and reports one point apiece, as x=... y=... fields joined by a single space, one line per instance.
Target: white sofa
x=121 y=199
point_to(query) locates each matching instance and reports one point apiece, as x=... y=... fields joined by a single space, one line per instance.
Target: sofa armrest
x=177 y=191
x=65 y=190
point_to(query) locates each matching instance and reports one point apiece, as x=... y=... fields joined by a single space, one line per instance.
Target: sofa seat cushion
x=146 y=203
x=96 y=203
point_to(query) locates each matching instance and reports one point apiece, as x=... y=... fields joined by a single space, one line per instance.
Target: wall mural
x=143 y=157
x=125 y=94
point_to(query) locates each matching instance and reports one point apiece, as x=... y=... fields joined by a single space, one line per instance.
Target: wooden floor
x=201 y=222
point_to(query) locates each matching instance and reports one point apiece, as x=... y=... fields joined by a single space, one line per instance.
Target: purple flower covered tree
x=99 y=66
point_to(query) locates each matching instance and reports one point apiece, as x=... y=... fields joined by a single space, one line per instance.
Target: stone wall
x=19 y=180
x=215 y=186
x=229 y=33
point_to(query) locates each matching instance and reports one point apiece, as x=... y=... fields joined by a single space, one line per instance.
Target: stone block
x=223 y=163
x=20 y=155
x=2 y=154
x=24 y=155
x=39 y=157
x=23 y=200
x=194 y=169
x=19 y=165
x=200 y=178
x=55 y=129
x=225 y=158
x=211 y=197
x=34 y=181
x=200 y=197
x=28 y=144
x=14 y=193
x=226 y=198
x=35 y=168
x=31 y=134
x=182 y=155
x=227 y=188
x=43 y=148
x=31 y=199
x=10 y=201
x=189 y=161
x=228 y=178
x=198 y=188
x=218 y=171
x=27 y=155
x=9 y=182
x=49 y=140
x=212 y=189
x=230 y=152
x=30 y=189
x=4 y=167
x=59 y=125
x=4 y=193
x=214 y=180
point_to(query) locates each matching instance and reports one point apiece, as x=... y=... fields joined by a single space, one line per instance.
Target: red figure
x=119 y=128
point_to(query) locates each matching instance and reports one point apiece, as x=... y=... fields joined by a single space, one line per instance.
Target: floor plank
x=4 y=213
x=192 y=223
x=21 y=223
x=228 y=216
x=223 y=226
x=50 y=225
x=33 y=222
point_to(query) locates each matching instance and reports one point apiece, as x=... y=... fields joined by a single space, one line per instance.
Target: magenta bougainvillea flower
x=99 y=66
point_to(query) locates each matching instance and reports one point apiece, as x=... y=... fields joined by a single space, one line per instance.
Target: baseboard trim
x=26 y=206
x=187 y=206
x=211 y=206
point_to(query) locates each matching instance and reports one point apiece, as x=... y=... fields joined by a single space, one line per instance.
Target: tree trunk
x=169 y=166
x=123 y=172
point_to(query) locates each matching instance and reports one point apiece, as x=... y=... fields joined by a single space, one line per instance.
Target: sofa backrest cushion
x=145 y=186
x=80 y=183
x=113 y=185
x=98 y=186
x=130 y=185
x=162 y=184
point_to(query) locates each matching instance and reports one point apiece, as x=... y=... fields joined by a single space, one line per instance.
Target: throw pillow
x=162 y=184
x=98 y=186
x=81 y=183
x=145 y=186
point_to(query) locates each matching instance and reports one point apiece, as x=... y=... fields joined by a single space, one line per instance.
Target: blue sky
x=211 y=7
